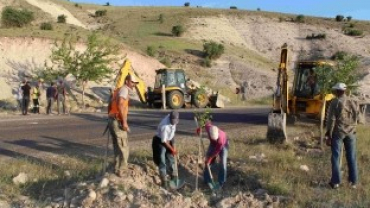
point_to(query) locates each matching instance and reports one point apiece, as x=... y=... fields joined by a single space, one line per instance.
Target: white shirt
x=124 y=92
x=166 y=131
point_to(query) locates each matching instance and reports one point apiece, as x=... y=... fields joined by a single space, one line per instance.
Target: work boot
x=164 y=182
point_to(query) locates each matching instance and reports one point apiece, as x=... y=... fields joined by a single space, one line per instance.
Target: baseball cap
x=340 y=86
x=213 y=133
x=174 y=116
x=132 y=78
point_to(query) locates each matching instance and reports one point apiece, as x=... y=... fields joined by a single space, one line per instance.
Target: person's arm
x=165 y=131
x=121 y=110
x=330 y=120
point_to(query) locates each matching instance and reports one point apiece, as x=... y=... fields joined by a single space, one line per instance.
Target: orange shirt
x=114 y=111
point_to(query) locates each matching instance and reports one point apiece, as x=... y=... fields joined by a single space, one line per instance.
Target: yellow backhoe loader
x=303 y=99
x=180 y=91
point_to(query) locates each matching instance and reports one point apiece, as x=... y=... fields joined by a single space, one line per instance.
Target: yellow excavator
x=303 y=99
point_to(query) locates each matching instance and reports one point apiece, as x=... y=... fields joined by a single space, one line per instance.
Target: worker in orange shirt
x=117 y=123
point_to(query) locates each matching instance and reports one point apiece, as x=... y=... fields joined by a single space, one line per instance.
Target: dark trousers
x=35 y=105
x=25 y=104
x=50 y=105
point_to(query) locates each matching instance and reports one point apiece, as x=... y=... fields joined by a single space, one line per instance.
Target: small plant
x=100 y=13
x=166 y=61
x=62 y=18
x=233 y=7
x=150 y=50
x=187 y=4
x=353 y=32
x=213 y=50
x=46 y=26
x=339 y=18
x=161 y=18
x=300 y=18
x=178 y=30
x=339 y=55
x=11 y=17
x=204 y=116
x=77 y=5
x=318 y=36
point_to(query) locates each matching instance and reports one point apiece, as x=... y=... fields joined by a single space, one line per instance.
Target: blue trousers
x=350 y=151
x=222 y=169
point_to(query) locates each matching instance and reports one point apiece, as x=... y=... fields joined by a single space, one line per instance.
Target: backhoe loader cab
x=178 y=91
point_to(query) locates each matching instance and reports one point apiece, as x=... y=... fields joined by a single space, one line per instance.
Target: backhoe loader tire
x=200 y=99
x=175 y=100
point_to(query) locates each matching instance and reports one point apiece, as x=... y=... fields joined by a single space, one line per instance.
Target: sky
x=357 y=9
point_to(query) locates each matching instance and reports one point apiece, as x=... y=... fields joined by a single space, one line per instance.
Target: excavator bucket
x=215 y=101
x=276 y=129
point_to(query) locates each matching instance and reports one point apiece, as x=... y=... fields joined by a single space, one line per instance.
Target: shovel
x=176 y=183
x=213 y=185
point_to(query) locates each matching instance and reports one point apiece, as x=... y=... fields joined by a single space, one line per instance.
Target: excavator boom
x=120 y=80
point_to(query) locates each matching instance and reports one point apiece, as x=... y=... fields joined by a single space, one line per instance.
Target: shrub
x=11 y=17
x=77 y=5
x=187 y=4
x=166 y=61
x=353 y=32
x=161 y=18
x=213 y=50
x=62 y=18
x=318 y=36
x=349 y=18
x=339 y=18
x=352 y=25
x=46 y=26
x=258 y=9
x=300 y=18
x=233 y=7
x=178 y=30
x=107 y=4
x=339 y=55
x=100 y=13
x=150 y=50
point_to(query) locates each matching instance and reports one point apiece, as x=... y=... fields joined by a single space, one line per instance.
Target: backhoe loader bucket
x=276 y=129
x=216 y=102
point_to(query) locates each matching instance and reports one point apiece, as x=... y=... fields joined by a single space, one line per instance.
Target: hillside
x=252 y=40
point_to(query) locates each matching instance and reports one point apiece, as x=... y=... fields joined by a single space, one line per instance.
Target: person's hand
x=173 y=151
x=125 y=127
x=198 y=131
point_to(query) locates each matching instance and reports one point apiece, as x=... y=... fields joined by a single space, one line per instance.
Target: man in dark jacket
x=51 y=94
x=26 y=97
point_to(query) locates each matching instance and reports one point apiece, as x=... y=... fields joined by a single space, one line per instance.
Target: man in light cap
x=341 y=128
x=163 y=145
x=117 y=123
x=218 y=147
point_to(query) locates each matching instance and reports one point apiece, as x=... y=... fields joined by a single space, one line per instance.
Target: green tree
x=213 y=50
x=178 y=30
x=12 y=17
x=339 y=18
x=187 y=4
x=92 y=64
x=349 y=18
x=300 y=18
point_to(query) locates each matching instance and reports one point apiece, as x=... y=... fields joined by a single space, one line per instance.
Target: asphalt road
x=42 y=134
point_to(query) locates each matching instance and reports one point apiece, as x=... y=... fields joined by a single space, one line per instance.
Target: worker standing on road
x=26 y=89
x=163 y=145
x=61 y=98
x=51 y=95
x=341 y=128
x=117 y=122
x=35 y=99
x=219 y=146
